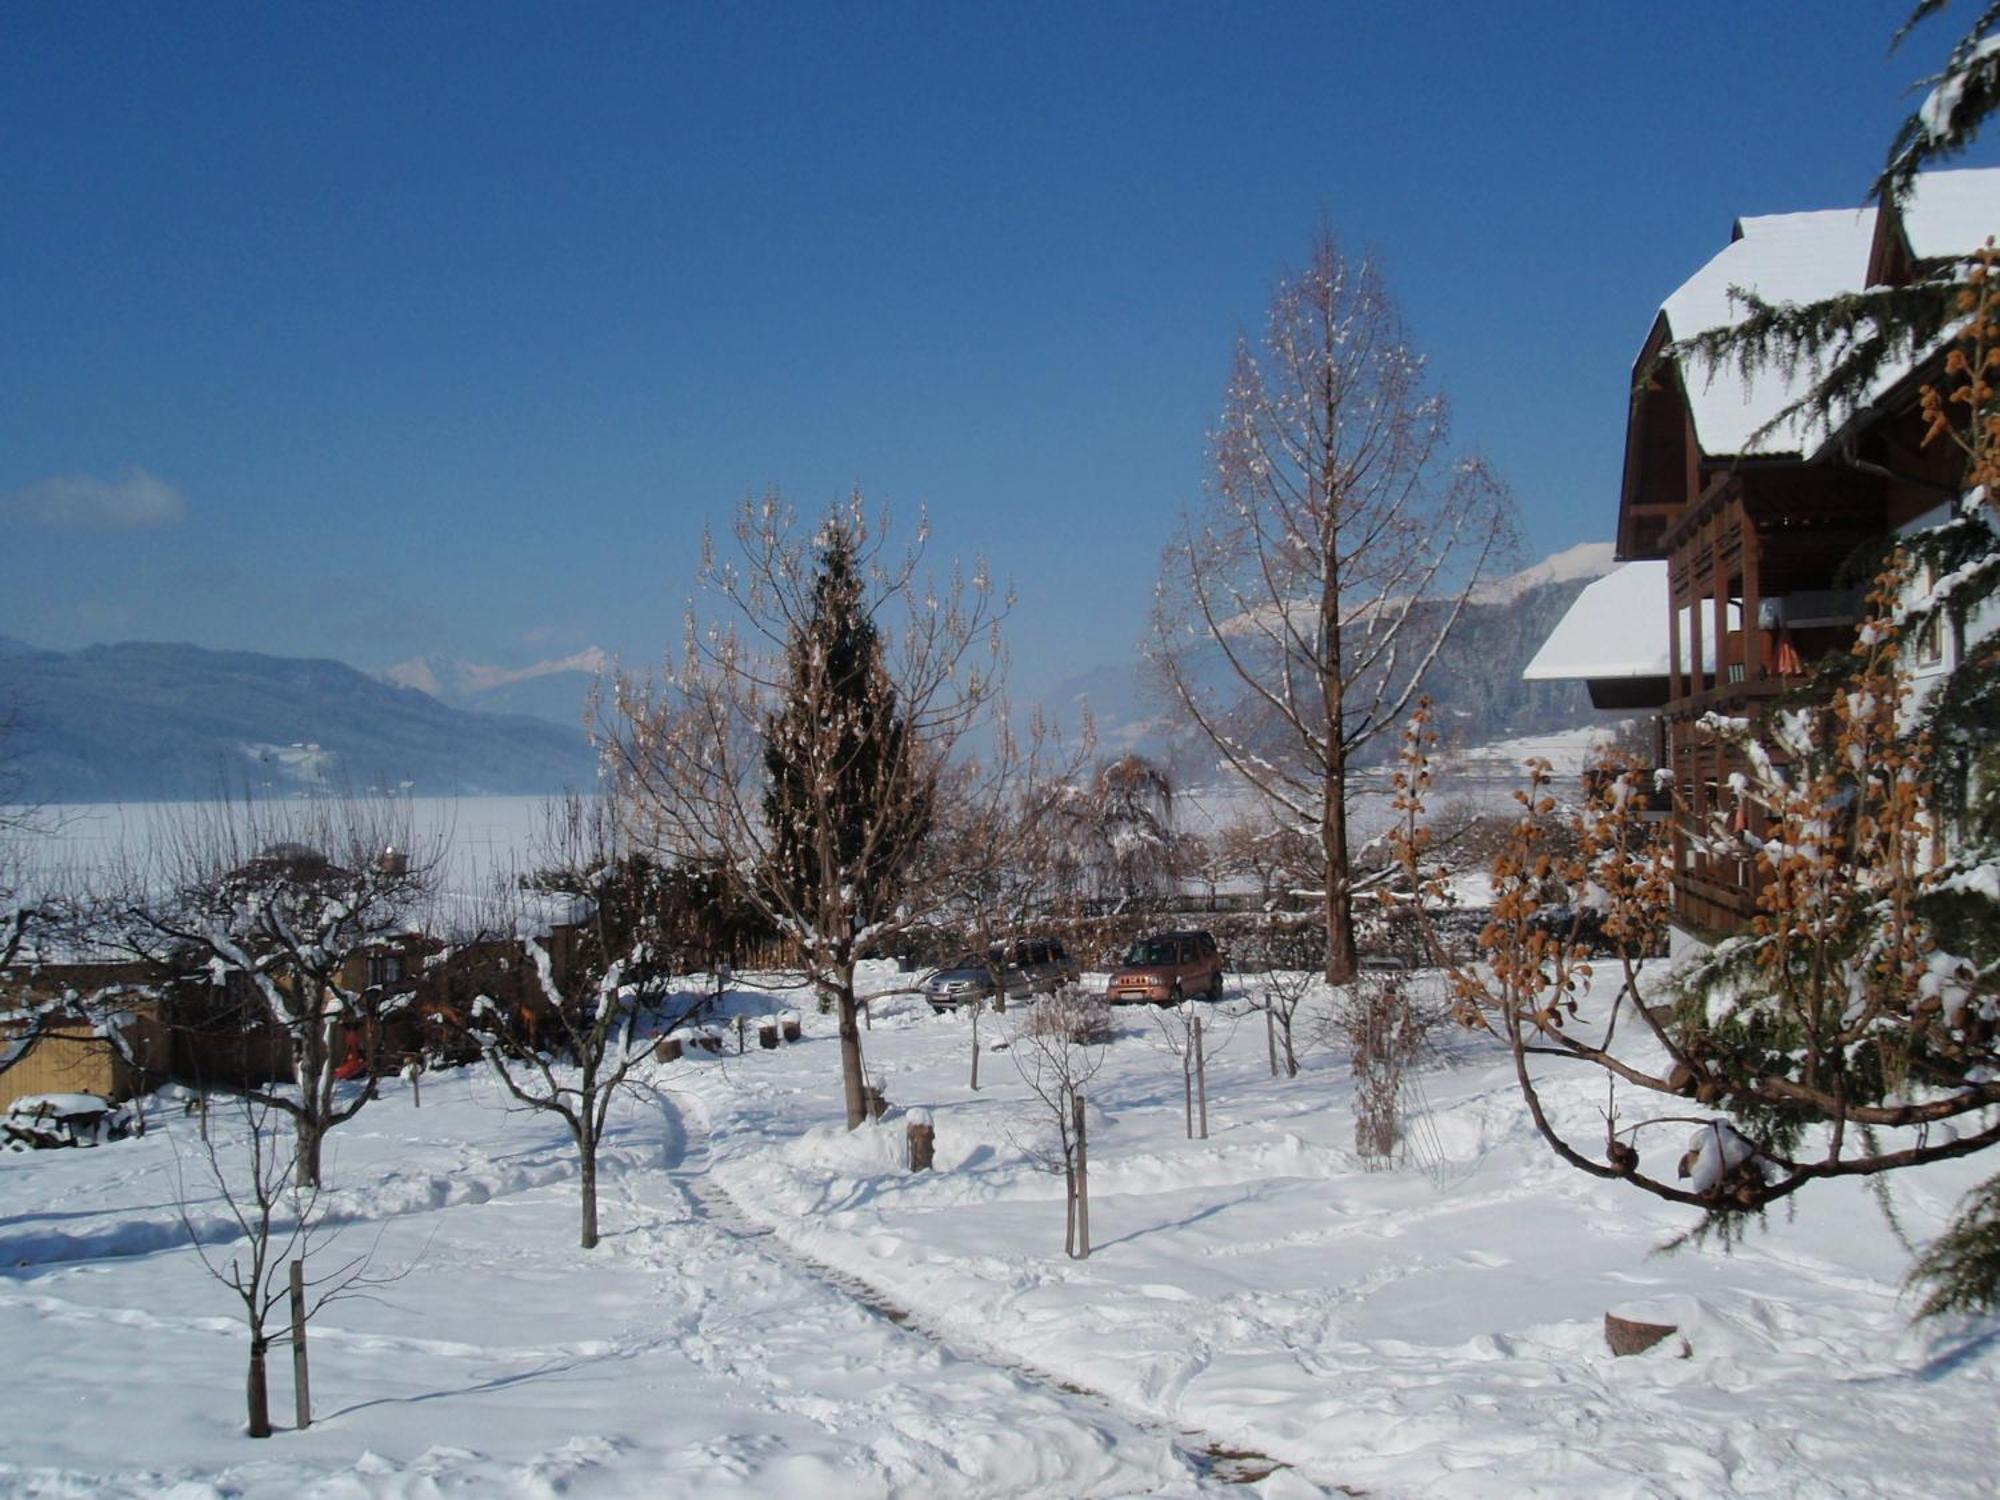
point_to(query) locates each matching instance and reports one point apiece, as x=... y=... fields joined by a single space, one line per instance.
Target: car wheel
x=1215 y=988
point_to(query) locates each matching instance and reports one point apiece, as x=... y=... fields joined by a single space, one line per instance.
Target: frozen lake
x=485 y=840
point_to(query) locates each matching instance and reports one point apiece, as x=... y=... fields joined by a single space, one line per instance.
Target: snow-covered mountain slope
x=554 y=689
x=143 y=721
x=1476 y=682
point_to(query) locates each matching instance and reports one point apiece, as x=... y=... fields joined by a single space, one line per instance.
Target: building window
x=384 y=968
x=1928 y=654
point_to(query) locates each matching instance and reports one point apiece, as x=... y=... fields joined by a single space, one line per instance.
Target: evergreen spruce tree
x=847 y=798
x=836 y=758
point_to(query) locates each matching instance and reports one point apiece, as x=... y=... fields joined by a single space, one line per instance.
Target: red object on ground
x=354 y=1065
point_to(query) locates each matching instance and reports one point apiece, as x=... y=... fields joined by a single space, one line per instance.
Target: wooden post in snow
x=1082 y=1179
x=975 y=1046
x=923 y=1142
x=301 y=1384
x=1200 y=1078
x=1187 y=1083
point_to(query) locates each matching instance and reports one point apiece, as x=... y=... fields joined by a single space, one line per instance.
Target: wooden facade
x=1760 y=551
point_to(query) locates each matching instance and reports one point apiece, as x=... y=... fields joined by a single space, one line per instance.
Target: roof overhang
x=1614 y=637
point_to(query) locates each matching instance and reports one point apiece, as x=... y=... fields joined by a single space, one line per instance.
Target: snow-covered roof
x=1807 y=257
x=1782 y=258
x=1617 y=627
x=1952 y=213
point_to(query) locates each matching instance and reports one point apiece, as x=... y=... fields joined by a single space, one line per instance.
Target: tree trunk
x=311 y=1135
x=1200 y=1079
x=853 y=1083
x=1082 y=1181
x=1271 y=1035
x=1069 y=1209
x=257 y=1392
x=1340 y=957
x=586 y=1149
x=1340 y=961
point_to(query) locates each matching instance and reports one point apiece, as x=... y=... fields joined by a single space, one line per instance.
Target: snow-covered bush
x=1072 y=1014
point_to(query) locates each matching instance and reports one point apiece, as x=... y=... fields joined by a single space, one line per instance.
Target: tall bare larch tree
x=1300 y=606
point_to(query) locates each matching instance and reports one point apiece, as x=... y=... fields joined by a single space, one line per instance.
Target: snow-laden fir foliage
x=1849 y=342
x=833 y=753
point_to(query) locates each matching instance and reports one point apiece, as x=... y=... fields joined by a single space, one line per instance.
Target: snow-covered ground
x=1432 y=1330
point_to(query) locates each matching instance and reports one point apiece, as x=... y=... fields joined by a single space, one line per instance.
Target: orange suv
x=1168 y=967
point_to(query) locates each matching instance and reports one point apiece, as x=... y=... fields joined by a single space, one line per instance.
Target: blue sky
x=367 y=332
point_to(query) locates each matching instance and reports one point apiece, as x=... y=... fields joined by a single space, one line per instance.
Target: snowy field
x=1434 y=1330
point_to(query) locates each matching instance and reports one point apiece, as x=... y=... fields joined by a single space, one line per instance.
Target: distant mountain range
x=145 y=722
x=555 y=690
x=1475 y=683
x=142 y=721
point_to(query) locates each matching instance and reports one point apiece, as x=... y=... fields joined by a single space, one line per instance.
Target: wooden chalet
x=1734 y=530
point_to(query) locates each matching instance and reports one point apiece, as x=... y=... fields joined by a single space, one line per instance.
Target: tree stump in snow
x=667 y=1049
x=793 y=1031
x=923 y=1144
x=1630 y=1336
x=767 y=1035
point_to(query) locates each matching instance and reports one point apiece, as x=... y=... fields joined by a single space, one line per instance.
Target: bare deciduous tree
x=1384 y=1028
x=1299 y=610
x=803 y=736
x=22 y=906
x=282 y=905
x=1287 y=965
x=609 y=987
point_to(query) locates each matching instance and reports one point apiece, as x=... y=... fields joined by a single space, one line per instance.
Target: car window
x=1152 y=951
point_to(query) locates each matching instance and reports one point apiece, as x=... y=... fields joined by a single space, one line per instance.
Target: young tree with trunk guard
x=1339 y=545
x=279 y=1218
